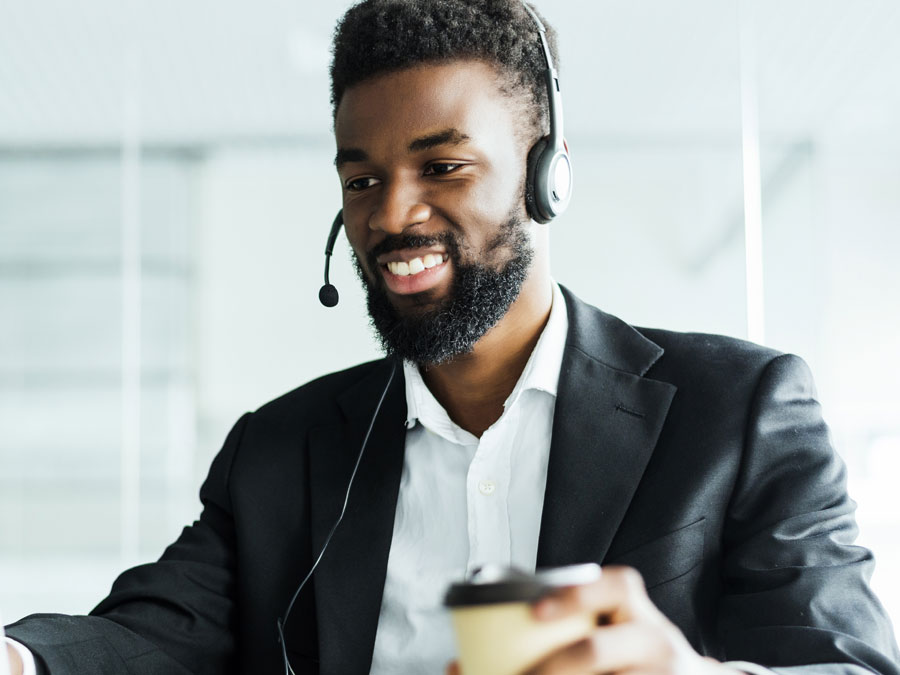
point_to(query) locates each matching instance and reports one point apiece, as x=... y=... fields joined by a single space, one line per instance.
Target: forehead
x=392 y=108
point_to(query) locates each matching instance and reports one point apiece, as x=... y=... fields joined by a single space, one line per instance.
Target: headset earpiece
x=548 y=186
x=549 y=181
x=534 y=156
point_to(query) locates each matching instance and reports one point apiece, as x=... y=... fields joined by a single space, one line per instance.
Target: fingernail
x=546 y=609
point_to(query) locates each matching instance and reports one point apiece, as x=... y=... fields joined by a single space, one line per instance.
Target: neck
x=473 y=387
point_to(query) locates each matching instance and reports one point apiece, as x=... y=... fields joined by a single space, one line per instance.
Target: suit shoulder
x=699 y=354
x=717 y=372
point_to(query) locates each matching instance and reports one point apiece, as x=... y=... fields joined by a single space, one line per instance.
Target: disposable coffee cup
x=496 y=633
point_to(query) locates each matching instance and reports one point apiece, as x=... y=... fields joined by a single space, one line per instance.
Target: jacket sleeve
x=174 y=617
x=797 y=589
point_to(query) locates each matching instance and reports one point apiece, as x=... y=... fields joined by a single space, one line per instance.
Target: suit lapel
x=350 y=579
x=605 y=426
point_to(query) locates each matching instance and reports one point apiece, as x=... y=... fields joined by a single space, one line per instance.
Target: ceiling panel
x=207 y=72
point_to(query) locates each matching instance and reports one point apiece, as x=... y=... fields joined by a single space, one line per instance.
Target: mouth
x=409 y=271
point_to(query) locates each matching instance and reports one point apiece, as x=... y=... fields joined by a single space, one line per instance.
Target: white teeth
x=416 y=265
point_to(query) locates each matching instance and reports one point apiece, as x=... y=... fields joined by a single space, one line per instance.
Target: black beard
x=478 y=298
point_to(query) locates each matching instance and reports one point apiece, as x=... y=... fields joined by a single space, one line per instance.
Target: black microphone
x=328 y=294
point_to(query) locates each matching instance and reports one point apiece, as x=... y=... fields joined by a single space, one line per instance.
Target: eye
x=441 y=168
x=359 y=184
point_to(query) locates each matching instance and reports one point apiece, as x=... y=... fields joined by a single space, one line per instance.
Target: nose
x=400 y=207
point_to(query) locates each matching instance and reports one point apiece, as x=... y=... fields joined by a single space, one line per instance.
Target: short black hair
x=382 y=36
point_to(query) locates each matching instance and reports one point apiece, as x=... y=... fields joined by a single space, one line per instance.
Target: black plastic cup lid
x=495 y=584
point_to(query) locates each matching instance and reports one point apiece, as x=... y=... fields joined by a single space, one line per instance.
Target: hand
x=635 y=637
x=15 y=663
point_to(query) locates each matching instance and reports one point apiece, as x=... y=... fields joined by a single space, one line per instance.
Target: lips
x=409 y=271
x=416 y=265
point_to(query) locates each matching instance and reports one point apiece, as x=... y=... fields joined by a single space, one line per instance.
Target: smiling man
x=434 y=202
x=510 y=423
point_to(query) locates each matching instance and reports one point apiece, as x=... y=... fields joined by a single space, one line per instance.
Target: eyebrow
x=345 y=155
x=446 y=137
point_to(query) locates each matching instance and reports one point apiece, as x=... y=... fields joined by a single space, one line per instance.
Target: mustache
x=401 y=241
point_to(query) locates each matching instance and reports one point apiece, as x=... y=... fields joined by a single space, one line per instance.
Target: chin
x=416 y=303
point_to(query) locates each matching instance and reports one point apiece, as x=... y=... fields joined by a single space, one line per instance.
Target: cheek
x=357 y=244
x=494 y=198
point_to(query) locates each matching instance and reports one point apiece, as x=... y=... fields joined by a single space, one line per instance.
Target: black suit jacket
x=700 y=460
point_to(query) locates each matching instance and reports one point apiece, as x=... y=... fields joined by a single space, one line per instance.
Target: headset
x=548 y=182
x=548 y=186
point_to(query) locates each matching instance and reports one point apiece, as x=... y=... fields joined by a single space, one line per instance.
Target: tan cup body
x=505 y=639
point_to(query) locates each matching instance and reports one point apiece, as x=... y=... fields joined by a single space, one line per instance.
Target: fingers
x=634 y=637
x=15 y=662
x=612 y=649
x=619 y=594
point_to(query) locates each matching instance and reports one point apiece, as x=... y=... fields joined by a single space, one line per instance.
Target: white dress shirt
x=463 y=502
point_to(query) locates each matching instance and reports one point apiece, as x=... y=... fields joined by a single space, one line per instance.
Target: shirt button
x=487 y=487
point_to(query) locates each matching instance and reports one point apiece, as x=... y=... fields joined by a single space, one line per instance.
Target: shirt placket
x=487 y=495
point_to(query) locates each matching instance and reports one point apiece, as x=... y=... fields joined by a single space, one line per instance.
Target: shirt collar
x=541 y=373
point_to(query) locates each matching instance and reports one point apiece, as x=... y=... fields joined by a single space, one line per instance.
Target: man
x=521 y=426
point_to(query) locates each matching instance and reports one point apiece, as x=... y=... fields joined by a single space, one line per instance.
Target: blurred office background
x=166 y=187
